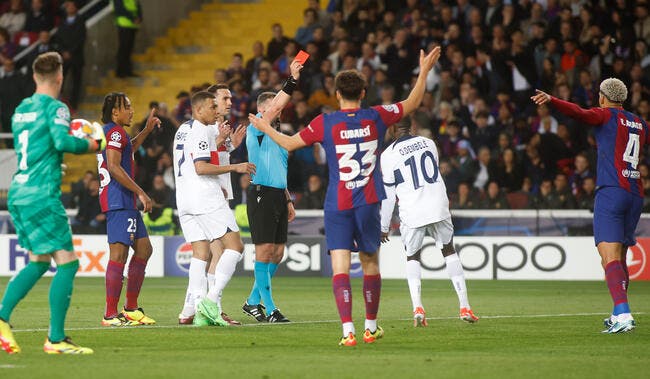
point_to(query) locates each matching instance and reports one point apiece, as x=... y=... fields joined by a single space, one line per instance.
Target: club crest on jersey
x=391 y=108
x=63 y=113
x=203 y=145
x=116 y=136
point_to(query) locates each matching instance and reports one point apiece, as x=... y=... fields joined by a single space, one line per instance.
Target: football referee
x=269 y=204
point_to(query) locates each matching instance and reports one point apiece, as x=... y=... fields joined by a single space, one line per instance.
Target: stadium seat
x=517 y=200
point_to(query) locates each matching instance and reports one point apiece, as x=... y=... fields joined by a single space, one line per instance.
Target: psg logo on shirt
x=116 y=136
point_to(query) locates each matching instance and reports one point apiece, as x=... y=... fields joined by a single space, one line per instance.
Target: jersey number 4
x=631 y=154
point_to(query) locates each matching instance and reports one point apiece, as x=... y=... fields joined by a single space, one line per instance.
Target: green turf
x=563 y=340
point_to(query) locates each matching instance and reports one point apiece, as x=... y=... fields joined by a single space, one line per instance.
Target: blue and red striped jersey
x=113 y=195
x=621 y=136
x=353 y=140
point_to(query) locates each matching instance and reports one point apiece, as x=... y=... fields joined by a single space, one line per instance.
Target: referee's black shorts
x=267 y=214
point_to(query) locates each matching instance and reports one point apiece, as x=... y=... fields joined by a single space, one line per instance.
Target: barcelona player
x=124 y=225
x=40 y=126
x=352 y=139
x=621 y=136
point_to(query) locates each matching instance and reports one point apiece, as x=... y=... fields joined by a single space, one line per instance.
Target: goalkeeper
x=40 y=127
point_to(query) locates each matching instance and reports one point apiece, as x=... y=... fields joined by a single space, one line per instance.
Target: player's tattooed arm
x=152 y=121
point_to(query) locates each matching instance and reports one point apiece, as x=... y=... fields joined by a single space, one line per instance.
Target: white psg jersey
x=223 y=155
x=410 y=171
x=195 y=194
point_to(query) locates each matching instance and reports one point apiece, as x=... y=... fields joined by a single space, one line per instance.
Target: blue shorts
x=616 y=214
x=125 y=226
x=357 y=229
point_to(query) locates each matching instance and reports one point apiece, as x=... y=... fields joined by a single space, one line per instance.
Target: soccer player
x=269 y=204
x=226 y=141
x=621 y=136
x=203 y=210
x=40 y=126
x=410 y=172
x=352 y=139
x=124 y=225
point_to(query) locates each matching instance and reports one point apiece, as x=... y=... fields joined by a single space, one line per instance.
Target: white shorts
x=441 y=231
x=209 y=226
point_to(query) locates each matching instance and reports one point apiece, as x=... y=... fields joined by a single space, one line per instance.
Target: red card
x=302 y=57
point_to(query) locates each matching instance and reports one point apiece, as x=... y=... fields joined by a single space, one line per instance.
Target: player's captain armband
x=302 y=57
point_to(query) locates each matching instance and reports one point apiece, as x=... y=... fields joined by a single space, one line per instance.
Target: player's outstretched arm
x=113 y=159
x=290 y=143
x=152 y=121
x=284 y=95
x=207 y=168
x=593 y=116
x=427 y=62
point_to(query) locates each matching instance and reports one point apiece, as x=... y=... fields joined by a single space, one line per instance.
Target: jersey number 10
x=412 y=164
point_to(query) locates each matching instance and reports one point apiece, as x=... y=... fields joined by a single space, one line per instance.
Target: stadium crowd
x=25 y=22
x=498 y=150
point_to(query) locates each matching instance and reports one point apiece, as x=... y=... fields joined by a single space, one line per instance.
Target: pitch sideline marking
x=317 y=322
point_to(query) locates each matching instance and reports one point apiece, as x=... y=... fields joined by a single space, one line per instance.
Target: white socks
x=413 y=276
x=348 y=328
x=210 y=281
x=371 y=325
x=455 y=271
x=196 y=287
x=222 y=274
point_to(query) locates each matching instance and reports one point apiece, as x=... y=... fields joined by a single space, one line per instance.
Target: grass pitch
x=527 y=329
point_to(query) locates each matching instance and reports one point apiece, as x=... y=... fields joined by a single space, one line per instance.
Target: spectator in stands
x=282 y=64
x=183 y=110
x=562 y=196
x=276 y=45
x=89 y=218
x=79 y=189
x=167 y=196
x=7 y=48
x=465 y=199
x=38 y=18
x=236 y=69
x=314 y=197
x=494 y=198
x=128 y=17
x=240 y=101
x=465 y=162
x=587 y=193
x=485 y=170
x=45 y=45
x=508 y=173
x=160 y=221
x=253 y=64
x=325 y=97
x=14 y=87
x=305 y=33
x=166 y=169
x=71 y=38
x=14 y=19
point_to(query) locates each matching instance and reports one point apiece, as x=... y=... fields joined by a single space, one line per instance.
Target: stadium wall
x=496 y=258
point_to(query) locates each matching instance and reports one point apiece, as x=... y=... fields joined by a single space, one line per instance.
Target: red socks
x=134 y=282
x=616 y=282
x=371 y=293
x=114 y=278
x=343 y=296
